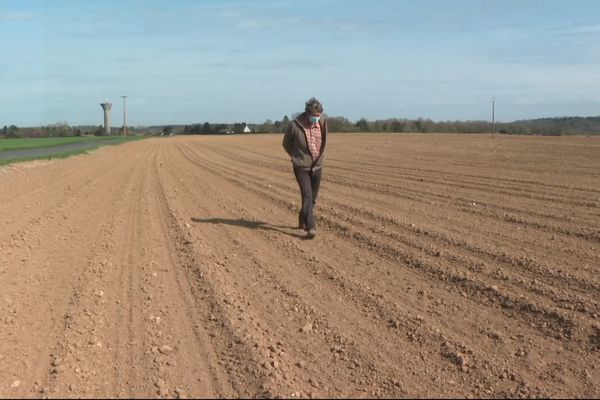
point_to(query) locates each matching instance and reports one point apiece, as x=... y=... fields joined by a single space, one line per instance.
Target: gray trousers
x=309 y=182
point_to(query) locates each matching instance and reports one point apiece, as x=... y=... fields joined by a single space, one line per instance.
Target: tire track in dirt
x=395 y=254
x=381 y=174
x=486 y=206
x=413 y=230
x=478 y=223
x=127 y=331
x=51 y=265
x=238 y=182
x=274 y=281
x=368 y=173
x=415 y=261
x=31 y=189
x=389 y=205
x=385 y=323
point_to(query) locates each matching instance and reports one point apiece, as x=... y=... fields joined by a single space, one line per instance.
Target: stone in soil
x=165 y=349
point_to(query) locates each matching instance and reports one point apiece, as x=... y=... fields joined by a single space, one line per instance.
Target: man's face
x=314 y=117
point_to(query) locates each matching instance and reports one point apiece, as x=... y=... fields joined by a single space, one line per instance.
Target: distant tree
x=239 y=127
x=396 y=126
x=220 y=128
x=285 y=122
x=206 y=128
x=195 y=129
x=340 y=124
x=362 y=125
x=13 y=132
x=266 y=127
x=419 y=126
x=427 y=126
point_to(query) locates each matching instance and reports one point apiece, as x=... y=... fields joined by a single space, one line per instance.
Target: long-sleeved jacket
x=295 y=144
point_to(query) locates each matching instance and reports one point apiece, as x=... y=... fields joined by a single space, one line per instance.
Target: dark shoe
x=311 y=233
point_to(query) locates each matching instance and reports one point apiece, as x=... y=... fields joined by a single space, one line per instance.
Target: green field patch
x=33 y=143
x=66 y=154
x=58 y=149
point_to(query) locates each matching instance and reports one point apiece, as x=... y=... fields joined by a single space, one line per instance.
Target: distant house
x=247 y=129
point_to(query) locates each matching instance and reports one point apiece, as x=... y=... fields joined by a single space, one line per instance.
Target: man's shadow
x=249 y=224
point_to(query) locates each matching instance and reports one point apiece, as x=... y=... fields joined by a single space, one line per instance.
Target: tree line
x=63 y=129
x=543 y=126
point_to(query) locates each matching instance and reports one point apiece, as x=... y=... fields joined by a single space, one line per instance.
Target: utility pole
x=124 y=117
x=493 y=116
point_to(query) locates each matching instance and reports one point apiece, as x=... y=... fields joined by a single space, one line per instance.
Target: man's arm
x=288 y=139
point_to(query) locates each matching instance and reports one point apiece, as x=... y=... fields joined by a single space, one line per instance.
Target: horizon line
x=62 y=123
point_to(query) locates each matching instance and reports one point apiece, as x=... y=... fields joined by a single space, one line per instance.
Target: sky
x=185 y=61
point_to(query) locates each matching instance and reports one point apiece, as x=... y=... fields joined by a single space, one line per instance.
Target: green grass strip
x=34 y=143
x=47 y=157
x=70 y=153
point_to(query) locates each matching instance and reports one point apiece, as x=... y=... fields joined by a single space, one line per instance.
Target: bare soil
x=443 y=266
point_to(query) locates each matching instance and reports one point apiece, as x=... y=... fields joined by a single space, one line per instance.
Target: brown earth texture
x=443 y=266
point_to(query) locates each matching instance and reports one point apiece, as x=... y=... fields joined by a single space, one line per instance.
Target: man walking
x=304 y=141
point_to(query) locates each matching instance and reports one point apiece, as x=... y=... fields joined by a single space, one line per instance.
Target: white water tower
x=106 y=106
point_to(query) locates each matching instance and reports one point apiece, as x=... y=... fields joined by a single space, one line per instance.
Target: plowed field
x=443 y=266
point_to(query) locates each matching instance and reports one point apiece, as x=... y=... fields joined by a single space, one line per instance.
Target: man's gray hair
x=313 y=106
